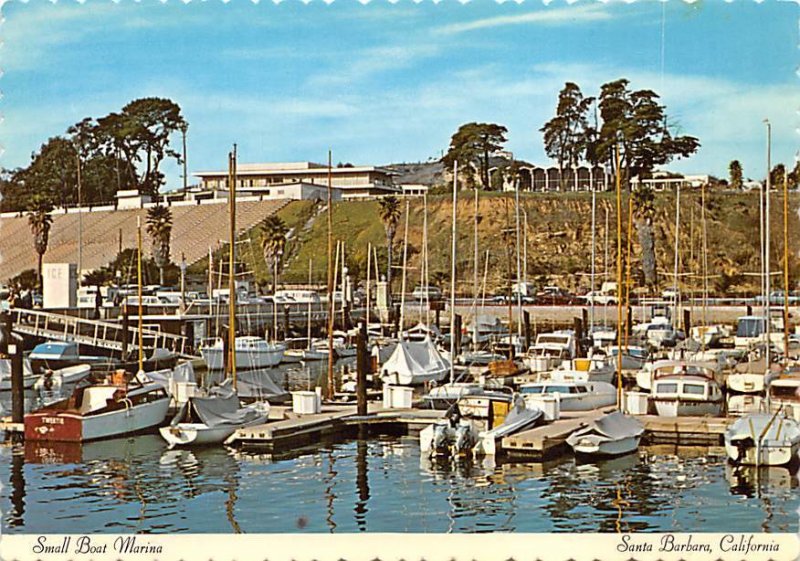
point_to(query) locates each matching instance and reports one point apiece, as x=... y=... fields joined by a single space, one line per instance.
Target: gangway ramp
x=95 y=333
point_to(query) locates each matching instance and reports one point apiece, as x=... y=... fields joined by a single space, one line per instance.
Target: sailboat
x=763 y=439
x=115 y=406
x=213 y=418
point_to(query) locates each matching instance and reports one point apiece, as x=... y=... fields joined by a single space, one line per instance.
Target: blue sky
x=383 y=82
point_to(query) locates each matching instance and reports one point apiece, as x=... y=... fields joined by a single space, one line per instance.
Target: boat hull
x=196 y=434
x=676 y=407
x=594 y=447
x=745 y=382
x=74 y=427
x=770 y=454
x=245 y=359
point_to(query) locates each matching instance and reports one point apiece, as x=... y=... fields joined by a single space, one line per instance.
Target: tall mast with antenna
x=231 y=269
x=453 y=279
x=330 y=281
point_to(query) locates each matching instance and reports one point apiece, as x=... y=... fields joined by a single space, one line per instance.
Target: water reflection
x=380 y=484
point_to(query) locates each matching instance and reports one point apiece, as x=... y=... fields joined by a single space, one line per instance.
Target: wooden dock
x=549 y=440
x=286 y=429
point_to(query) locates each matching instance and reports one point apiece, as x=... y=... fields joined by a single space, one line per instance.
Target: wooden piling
x=457 y=335
x=362 y=365
x=526 y=322
x=577 y=324
x=687 y=321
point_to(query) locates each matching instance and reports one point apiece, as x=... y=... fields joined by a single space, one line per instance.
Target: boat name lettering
x=53 y=420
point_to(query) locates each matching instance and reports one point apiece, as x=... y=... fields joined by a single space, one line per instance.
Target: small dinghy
x=520 y=418
x=614 y=434
x=212 y=419
x=763 y=439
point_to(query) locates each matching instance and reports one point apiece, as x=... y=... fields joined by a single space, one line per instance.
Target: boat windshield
x=750 y=327
x=785 y=392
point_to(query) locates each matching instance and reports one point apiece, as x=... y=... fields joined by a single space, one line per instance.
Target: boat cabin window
x=694 y=389
x=784 y=392
x=750 y=327
x=580 y=389
x=533 y=389
x=667 y=388
x=557 y=389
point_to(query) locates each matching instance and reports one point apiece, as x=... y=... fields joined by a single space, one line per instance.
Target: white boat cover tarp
x=519 y=418
x=415 y=362
x=614 y=426
x=223 y=408
x=752 y=426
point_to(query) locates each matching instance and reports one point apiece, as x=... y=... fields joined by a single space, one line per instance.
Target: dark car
x=556 y=296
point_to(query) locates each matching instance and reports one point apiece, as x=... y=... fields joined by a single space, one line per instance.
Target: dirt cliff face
x=558 y=243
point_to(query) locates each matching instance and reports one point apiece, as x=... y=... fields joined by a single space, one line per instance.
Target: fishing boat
x=251 y=352
x=783 y=393
x=613 y=434
x=110 y=408
x=763 y=439
x=684 y=388
x=414 y=363
x=573 y=396
x=212 y=419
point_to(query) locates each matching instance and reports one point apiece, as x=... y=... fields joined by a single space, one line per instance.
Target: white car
x=599 y=298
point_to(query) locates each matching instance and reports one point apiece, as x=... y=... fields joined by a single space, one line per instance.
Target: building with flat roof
x=352 y=181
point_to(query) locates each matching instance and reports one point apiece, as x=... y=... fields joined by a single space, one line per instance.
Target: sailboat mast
x=310 y=266
x=675 y=298
x=767 y=266
x=330 y=281
x=476 y=264
x=425 y=280
x=405 y=265
x=619 y=281
x=139 y=289
x=594 y=236
x=628 y=268
x=453 y=279
x=785 y=267
x=369 y=272
x=231 y=270
x=519 y=267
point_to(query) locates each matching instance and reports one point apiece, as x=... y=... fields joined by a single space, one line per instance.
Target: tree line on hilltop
x=98 y=157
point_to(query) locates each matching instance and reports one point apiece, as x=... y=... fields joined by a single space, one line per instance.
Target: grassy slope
x=559 y=240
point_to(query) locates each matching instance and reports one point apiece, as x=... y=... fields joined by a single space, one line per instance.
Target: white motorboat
x=251 y=352
x=633 y=357
x=763 y=439
x=597 y=368
x=479 y=358
x=212 y=419
x=414 y=363
x=103 y=410
x=614 y=434
x=709 y=335
x=783 y=393
x=550 y=351
x=684 y=388
x=29 y=379
x=652 y=370
x=573 y=396
x=445 y=395
x=54 y=382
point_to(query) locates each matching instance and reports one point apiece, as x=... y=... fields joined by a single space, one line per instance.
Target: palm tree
x=644 y=211
x=390 y=216
x=40 y=221
x=273 y=241
x=159 y=228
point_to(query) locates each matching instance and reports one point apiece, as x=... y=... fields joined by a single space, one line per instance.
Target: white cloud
x=545 y=16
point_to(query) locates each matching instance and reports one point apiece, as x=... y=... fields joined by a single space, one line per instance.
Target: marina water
x=380 y=484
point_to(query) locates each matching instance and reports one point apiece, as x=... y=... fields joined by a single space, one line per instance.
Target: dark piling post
x=457 y=335
x=585 y=317
x=286 y=326
x=577 y=325
x=225 y=350
x=362 y=365
x=17 y=389
x=749 y=310
x=526 y=323
x=125 y=334
x=396 y=320
x=687 y=321
x=629 y=319
x=188 y=332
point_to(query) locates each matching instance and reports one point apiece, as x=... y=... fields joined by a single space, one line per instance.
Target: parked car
x=557 y=296
x=599 y=298
x=427 y=293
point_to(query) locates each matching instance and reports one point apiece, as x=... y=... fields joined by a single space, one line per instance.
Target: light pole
x=184 y=127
